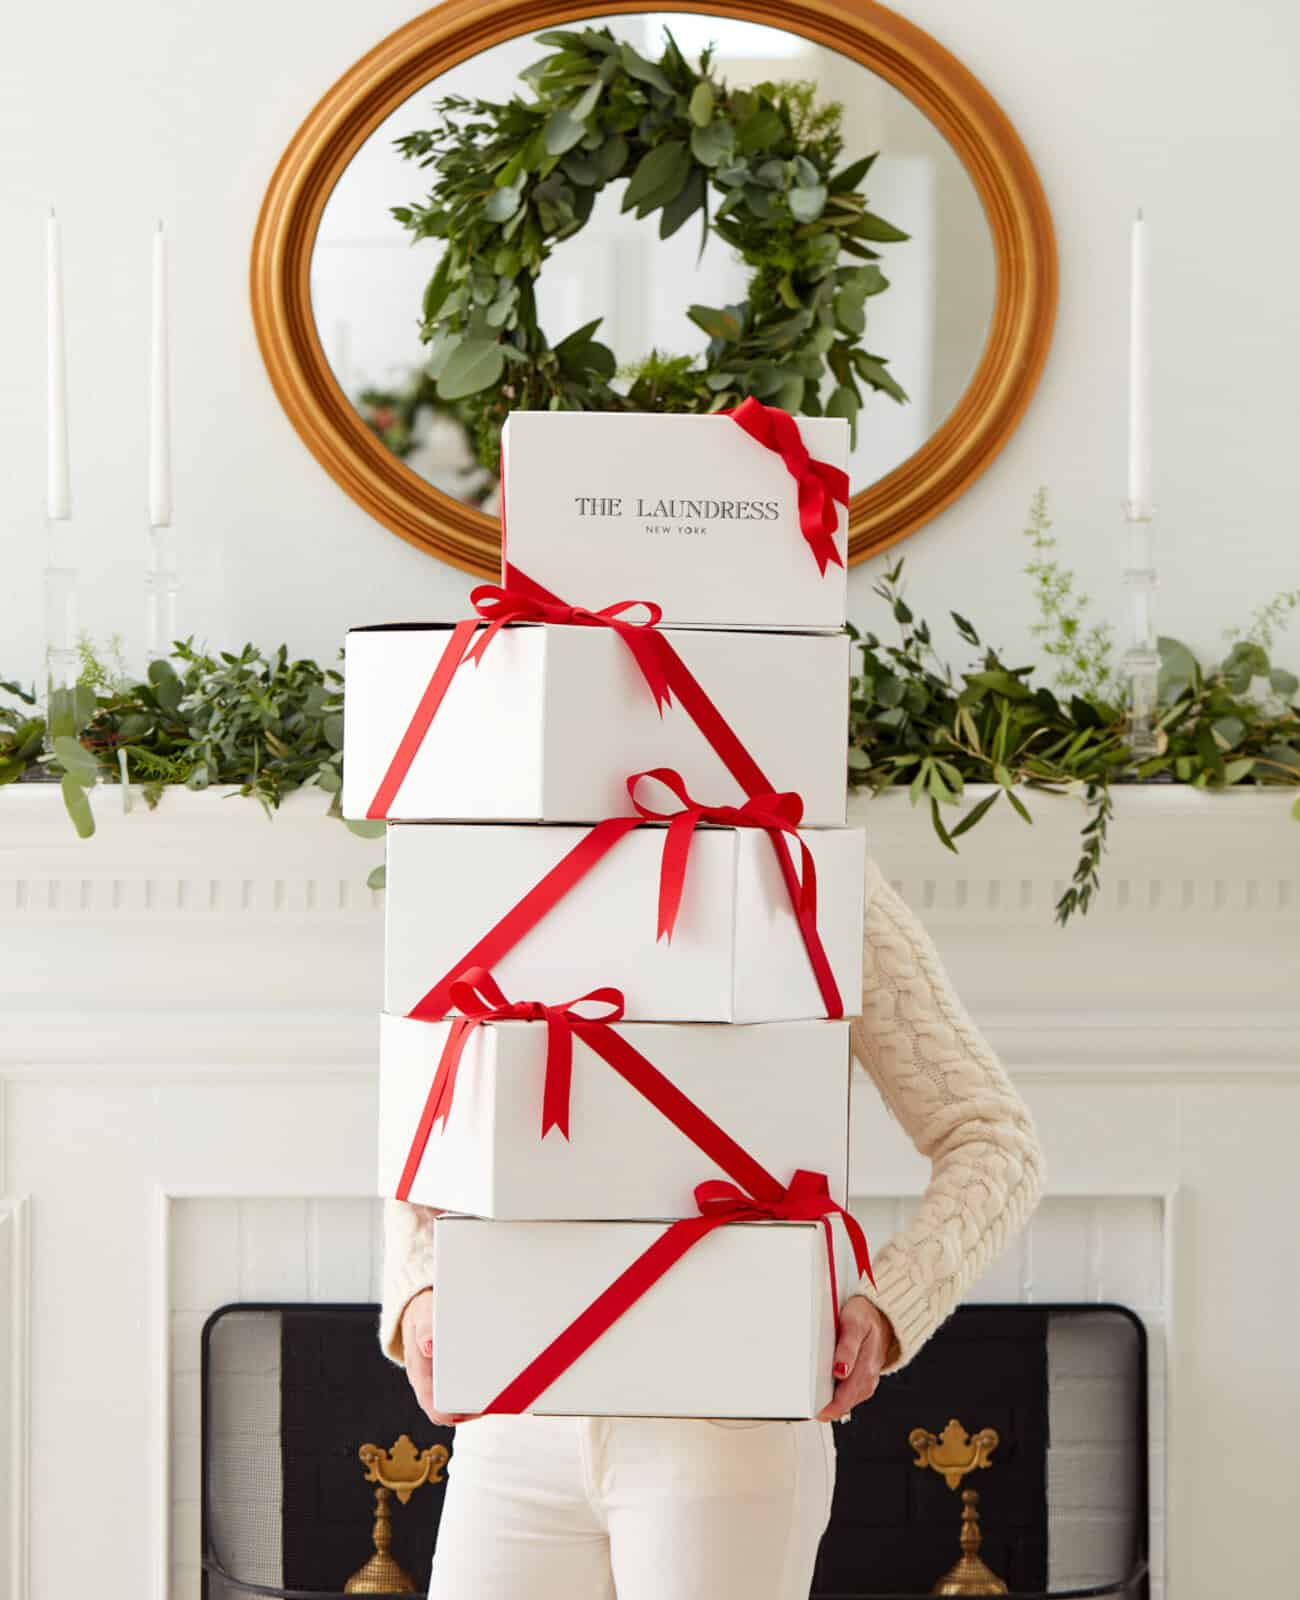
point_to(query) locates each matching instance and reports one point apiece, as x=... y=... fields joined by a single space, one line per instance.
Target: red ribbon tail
x=818 y=520
x=808 y=881
x=444 y=1083
x=803 y=901
x=438 y=1101
x=858 y=1239
x=646 y=646
x=452 y=655
x=830 y=518
x=829 y=1233
x=523 y=917
x=672 y=871
x=836 y=481
x=603 y=1312
x=823 y=548
x=479 y=648
x=559 y=1074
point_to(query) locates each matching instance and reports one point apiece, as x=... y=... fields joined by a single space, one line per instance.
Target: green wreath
x=513 y=179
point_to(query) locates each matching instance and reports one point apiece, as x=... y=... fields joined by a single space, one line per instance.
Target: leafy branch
x=758 y=166
x=265 y=724
x=1083 y=654
x=914 y=723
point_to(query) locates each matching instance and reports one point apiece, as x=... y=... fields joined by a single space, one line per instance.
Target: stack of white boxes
x=532 y=746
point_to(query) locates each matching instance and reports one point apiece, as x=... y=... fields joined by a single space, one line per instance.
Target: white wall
x=179 y=109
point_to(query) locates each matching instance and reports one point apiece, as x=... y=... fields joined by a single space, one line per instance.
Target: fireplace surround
x=187 y=1115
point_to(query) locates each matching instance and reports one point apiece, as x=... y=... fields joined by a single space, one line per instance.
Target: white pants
x=633 y=1508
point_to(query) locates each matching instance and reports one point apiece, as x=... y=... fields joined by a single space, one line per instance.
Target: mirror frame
x=896 y=50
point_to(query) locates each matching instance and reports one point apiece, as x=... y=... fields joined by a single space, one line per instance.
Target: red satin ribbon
x=478 y=997
x=545 y=894
x=499 y=605
x=521 y=599
x=778 y=815
x=476 y=994
x=570 y=870
x=807 y=1199
x=690 y=696
x=453 y=654
x=820 y=484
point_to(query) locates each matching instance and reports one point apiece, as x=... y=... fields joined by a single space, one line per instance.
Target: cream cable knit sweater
x=940 y=1081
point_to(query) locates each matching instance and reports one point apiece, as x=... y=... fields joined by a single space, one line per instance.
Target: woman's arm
x=408 y=1261
x=943 y=1084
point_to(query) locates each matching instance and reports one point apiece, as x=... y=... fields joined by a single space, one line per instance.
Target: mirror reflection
x=368 y=278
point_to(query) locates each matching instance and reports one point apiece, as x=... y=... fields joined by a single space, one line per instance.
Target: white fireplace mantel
x=187 y=1103
x=1190 y=955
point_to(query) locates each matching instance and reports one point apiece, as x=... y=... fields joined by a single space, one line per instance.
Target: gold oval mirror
x=337 y=290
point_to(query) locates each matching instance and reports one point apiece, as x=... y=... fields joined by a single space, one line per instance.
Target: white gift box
x=552 y=721
x=779 y=1089
x=688 y=511
x=736 y=954
x=741 y=1326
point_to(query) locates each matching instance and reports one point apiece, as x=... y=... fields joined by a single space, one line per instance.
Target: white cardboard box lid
x=733 y=574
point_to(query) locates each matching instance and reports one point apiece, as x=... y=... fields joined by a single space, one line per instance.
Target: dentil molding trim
x=1174 y=850
x=198 y=854
x=262 y=932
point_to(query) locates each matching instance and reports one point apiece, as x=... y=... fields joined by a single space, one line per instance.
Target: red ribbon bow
x=478 y=997
x=772 y=812
x=820 y=484
x=521 y=599
x=779 y=816
x=522 y=602
x=807 y=1198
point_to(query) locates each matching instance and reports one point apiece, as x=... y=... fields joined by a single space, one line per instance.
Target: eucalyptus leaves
x=512 y=180
x=914 y=722
x=267 y=724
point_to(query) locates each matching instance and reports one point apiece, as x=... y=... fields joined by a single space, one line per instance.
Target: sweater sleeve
x=408 y=1268
x=943 y=1084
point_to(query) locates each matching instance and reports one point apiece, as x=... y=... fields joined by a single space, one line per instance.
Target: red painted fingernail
x=426 y=1347
x=840 y=1370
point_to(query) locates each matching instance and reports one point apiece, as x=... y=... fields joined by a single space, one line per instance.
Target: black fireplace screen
x=291 y=1394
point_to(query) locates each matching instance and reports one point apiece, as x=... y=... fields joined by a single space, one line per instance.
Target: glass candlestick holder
x=62 y=659
x=1141 y=662
x=161 y=587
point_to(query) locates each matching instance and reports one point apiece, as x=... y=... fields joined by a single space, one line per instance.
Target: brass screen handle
x=399 y=1470
x=953 y=1453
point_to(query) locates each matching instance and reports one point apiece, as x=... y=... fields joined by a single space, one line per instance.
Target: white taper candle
x=58 y=491
x=160 y=438
x=1139 y=376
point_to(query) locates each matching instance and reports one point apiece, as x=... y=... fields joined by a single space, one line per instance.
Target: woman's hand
x=417 y=1350
x=866 y=1334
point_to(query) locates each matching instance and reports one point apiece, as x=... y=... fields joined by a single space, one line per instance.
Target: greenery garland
x=514 y=179
x=913 y=721
x=272 y=724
